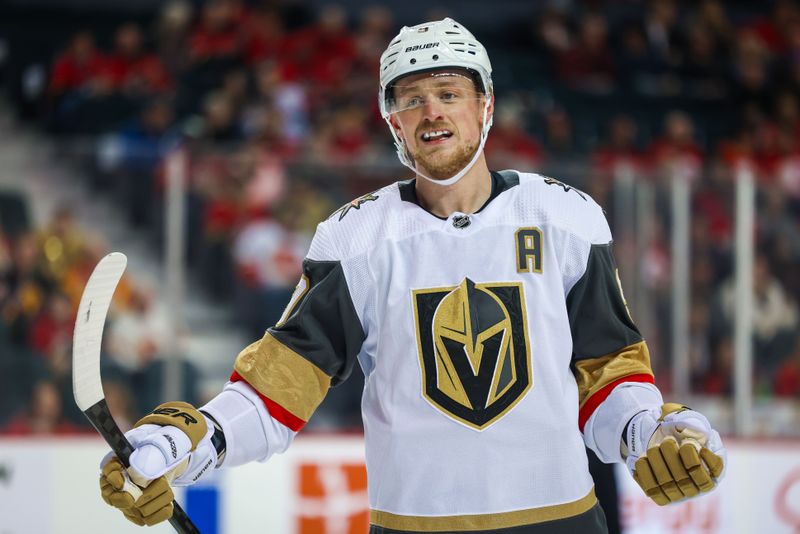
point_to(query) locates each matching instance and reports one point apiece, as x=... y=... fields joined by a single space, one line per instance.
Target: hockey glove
x=172 y=445
x=673 y=455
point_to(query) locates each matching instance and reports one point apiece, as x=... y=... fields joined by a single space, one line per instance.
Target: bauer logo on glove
x=673 y=455
x=172 y=447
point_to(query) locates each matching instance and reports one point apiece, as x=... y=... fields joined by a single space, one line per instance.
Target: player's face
x=439 y=116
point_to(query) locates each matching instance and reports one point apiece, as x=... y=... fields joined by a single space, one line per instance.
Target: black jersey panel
x=598 y=315
x=323 y=327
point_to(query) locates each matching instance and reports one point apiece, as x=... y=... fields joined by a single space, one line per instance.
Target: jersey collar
x=501 y=181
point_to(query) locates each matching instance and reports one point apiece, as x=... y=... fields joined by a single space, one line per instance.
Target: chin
x=444 y=166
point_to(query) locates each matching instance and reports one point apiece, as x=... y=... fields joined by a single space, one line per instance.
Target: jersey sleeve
x=608 y=349
x=314 y=345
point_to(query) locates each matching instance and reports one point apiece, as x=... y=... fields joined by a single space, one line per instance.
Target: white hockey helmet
x=429 y=47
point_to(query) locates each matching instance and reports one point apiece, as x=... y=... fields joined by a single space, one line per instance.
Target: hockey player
x=486 y=312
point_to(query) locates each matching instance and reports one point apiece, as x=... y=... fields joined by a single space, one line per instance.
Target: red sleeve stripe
x=602 y=394
x=278 y=412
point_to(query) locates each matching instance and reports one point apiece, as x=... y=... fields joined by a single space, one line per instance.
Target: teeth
x=427 y=136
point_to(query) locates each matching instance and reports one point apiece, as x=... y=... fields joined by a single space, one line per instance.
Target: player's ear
x=395 y=125
x=490 y=109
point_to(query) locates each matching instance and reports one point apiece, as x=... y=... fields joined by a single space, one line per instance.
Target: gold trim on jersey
x=594 y=374
x=466 y=523
x=284 y=376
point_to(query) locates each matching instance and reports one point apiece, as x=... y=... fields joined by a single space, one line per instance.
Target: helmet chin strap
x=455 y=178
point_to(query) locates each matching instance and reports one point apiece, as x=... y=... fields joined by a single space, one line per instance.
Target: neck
x=465 y=196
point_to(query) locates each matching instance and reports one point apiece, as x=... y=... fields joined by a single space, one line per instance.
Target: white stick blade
x=87 y=339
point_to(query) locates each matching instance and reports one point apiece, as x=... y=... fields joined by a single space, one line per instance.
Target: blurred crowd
x=42 y=275
x=270 y=109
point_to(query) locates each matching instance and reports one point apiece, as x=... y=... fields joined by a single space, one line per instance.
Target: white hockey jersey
x=487 y=340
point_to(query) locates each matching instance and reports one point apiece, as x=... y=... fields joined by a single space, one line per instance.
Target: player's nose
x=433 y=109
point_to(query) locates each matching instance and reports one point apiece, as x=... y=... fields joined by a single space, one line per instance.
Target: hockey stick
x=86 y=385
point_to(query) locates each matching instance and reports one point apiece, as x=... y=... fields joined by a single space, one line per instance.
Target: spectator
x=510 y=145
x=61 y=243
x=677 y=150
x=663 y=34
x=133 y=71
x=278 y=110
x=559 y=140
x=621 y=153
x=80 y=68
x=131 y=158
x=588 y=64
x=265 y=36
x=44 y=416
x=53 y=325
x=639 y=67
x=553 y=33
x=702 y=70
x=27 y=287
x=714 y=18
x=776 y=31
x=172 y=35
x=219 y=123
x=751 y=75
x=267 y=255
x=217 y=36
x=322 y=53
x=139 y=334
x=775 y=316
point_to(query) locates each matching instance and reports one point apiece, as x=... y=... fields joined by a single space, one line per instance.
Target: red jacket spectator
x=589 y=64
x=509 y=145
x=80 y=65
x=217 y=35
x=130 y=68
x=323 y=53
x=264 y=37
x=620 y=151
x=677 y=147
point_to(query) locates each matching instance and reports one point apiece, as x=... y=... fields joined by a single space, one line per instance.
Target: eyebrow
x=404 y=89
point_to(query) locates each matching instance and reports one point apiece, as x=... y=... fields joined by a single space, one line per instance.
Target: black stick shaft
x=101 y=419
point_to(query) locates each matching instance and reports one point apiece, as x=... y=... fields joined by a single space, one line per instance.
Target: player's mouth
x=433 y=137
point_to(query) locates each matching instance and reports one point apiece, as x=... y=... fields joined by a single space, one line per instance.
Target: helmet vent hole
x=471 y=52
x=413 y=60
x=435 y=57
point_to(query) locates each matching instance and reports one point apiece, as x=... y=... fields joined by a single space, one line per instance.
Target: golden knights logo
x=473 y=349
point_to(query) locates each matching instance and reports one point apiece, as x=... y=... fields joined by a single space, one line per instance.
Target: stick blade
x=87 y=339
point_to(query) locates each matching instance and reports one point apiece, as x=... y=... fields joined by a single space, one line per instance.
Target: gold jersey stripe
x=284 y=376
x=594 y=374
x=467 y=523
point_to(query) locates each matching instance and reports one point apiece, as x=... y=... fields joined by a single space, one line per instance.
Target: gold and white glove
x=673 y=455
x=172 y=446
